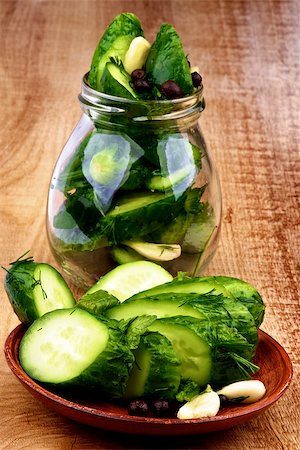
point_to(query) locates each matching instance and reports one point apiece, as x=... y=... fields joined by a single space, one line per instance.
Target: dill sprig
x=244 y=364
x=38 y=282
x=19 y=261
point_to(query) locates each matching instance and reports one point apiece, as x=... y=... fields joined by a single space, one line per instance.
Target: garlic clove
x=137 y=54
x=206 y=404
x=248 y=391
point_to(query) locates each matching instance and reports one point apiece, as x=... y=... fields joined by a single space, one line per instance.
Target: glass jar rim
x=95 y=101
x=85 y=85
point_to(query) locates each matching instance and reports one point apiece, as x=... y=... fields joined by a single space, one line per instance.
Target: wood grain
x=248 y=53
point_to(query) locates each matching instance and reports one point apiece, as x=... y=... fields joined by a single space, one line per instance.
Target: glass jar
x=134 y=181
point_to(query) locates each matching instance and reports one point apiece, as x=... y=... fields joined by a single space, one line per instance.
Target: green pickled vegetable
x=214 y=308
x=245 y=293
x=70 y=347
x=129 y=279
x=35 y=289
x=209 y=352
x=167 y=60
x=114 y=43
x=116 y=81
x=156 y=369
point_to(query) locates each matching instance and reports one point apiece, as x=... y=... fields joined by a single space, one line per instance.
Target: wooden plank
x=248 y=54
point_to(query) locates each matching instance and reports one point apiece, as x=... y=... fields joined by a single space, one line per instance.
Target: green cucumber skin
x=167 y=60
x=125 y=255
x=110 y=371
x=197 y=285
x=20 y=282
x=216 y=309
x=164 y=372
x=115 y=228
x=112 y=229
x=143 y=220
x=173 y=232
x=221 y=339
x=246 y=293
x=18 y=285
x=125 y=24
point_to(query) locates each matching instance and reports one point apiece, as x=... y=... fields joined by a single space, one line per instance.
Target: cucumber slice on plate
x=35 y=289
x=244 y=292
x=156 y=369
x=72 y=347
x=213 y=308
x=206 y=350
x=131 y=278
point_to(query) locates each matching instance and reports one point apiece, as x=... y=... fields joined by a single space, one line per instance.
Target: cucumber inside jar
x=114 y=194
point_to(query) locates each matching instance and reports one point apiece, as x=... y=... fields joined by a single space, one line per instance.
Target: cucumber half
x=72 y=347
x=131 y=278
x=35 y=289
x=60 y=347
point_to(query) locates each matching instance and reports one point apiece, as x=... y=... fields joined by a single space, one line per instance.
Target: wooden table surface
x=248 y=54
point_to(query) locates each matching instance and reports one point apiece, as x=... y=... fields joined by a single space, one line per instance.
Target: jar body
x=127 y=188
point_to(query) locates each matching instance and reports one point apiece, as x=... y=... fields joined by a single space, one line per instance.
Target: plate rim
x=15 y=366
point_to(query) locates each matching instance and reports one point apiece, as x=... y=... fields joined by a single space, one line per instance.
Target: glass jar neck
x=104 y=108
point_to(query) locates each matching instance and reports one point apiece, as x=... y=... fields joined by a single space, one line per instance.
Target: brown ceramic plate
x=275 y=373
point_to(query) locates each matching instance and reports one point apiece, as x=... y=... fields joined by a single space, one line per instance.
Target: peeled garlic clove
x=155 y=252
x=248 y=391
x=206 y=404
x=137 y=54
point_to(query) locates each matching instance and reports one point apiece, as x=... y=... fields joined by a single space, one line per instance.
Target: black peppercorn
x=141 y=86
x=138 y=408
x=197 y=79
x=138 y=74
x=161 y=408
x=171 y=90
x=223 y=400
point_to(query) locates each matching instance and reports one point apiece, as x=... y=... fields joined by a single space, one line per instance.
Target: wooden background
x=248 y=54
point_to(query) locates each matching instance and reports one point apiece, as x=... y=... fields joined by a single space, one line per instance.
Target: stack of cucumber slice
x=138 y=332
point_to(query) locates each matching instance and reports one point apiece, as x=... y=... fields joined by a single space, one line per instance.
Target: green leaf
x=97 y=302
x=167 y=60
x=188 y=389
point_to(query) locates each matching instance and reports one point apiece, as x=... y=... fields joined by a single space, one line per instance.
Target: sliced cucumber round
x=60 y=346
x=104 y=165
x=192 y=349
x=131 y=278
x=73 y=347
